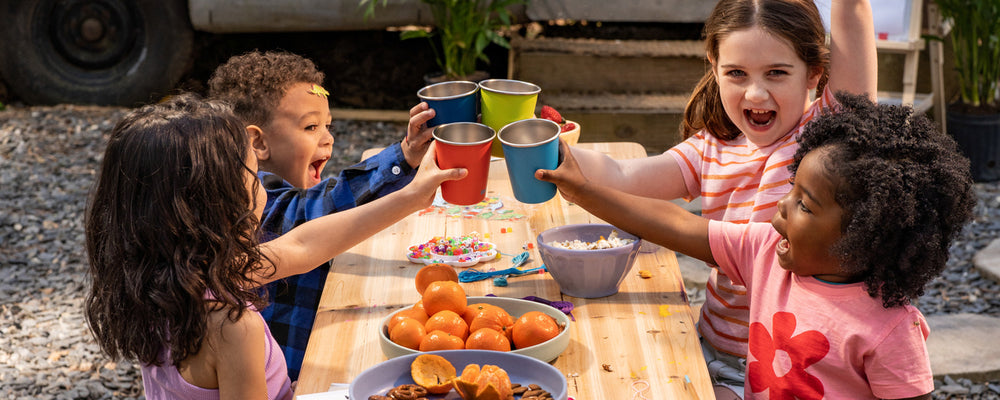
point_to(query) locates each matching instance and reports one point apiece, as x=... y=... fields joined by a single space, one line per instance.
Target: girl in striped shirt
x=740 y=128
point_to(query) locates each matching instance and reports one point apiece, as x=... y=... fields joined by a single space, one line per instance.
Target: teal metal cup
x=530 y=145
x=452 y=101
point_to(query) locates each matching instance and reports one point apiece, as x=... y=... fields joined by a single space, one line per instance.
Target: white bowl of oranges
x=446 y=319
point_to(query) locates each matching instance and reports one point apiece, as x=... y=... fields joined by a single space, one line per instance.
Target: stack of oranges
x=443 y=319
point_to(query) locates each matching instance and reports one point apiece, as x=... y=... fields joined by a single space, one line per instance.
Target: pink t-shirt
x=166 y=383
x=738 y=182
x=816 y=340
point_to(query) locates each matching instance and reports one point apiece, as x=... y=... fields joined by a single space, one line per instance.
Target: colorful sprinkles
x=460 y=251
x=490 y=208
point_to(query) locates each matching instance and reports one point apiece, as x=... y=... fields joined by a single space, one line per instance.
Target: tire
x=104 y=52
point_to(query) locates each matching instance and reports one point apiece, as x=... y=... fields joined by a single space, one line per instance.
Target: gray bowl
x=587 y=273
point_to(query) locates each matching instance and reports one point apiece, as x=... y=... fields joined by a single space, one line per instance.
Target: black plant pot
x=978 y=136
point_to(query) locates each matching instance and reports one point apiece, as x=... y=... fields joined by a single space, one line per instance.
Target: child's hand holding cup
x=530 y=145
x=452 y=101
x=464 y=145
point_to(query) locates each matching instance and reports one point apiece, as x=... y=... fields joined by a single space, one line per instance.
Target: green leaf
x=369 y=6
x=464 y=29
x=413 y=34
x=975 y=38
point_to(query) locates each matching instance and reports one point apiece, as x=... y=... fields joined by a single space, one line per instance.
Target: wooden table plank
x=645 y=334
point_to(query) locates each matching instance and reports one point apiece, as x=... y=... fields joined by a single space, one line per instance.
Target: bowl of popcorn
x=588 y=260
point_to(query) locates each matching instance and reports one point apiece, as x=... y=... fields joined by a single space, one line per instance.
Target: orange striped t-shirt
x=739 y=182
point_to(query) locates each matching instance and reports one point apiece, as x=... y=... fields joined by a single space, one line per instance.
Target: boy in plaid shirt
x=281 y=99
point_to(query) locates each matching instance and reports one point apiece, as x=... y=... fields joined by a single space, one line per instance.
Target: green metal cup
x=505 y=101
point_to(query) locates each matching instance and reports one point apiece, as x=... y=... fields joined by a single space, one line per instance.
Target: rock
x=964 y=345
x=987 y=261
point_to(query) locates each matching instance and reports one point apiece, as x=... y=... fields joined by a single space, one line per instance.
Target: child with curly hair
x=172 y=241
x=280 y=97
x=878 y=195
x=740 y=127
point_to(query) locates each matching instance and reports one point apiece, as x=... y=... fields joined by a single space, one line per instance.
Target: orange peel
x=433 y=372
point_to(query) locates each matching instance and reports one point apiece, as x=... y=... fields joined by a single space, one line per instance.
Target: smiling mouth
x=317 y=168
x=759 y=117
x=782 y=247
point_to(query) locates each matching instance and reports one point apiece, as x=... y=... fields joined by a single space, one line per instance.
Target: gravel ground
x=48 y=160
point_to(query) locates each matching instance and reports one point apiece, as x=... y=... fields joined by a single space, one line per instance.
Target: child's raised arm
x=321 y=239
x=853 y=59
x=634 y=175
x=656 y=220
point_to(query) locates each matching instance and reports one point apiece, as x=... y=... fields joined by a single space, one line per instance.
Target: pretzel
x=408 y=392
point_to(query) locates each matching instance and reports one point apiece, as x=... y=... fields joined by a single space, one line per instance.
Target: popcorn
x=612 y=241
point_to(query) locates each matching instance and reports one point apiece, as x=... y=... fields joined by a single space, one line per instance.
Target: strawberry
x=551 y=114
x=567 y=127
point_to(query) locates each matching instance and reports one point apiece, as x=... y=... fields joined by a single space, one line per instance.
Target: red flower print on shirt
x=782 y=359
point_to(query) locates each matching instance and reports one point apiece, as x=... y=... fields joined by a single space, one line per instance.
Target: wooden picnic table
x=643 y=335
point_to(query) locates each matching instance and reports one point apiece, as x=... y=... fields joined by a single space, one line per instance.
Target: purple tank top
x=166 y=383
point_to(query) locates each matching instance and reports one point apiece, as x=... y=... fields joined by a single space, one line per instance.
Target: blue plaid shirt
x=294 y=300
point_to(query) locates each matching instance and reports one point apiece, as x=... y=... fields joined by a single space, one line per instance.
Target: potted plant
x=974 y=120
x=464 y=28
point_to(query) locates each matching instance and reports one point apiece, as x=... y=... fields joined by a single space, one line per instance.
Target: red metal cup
x=464 y=145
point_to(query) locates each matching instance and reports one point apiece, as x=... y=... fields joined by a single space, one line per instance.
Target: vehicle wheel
x=106 y=52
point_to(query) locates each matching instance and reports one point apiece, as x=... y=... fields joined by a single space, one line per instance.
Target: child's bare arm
x=418 y=135
x=321 y=239
x=634 y=175
x=656 y=220
x=853 y=59
x=238 y=355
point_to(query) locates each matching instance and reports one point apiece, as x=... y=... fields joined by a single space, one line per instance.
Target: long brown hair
x=796 y=21
x=169 y=222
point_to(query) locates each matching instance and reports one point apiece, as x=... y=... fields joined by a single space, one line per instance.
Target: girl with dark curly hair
x=740 y=127
x=171 y=233
x=878 y=195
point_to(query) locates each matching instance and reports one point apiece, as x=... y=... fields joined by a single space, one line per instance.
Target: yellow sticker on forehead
x=319 y=91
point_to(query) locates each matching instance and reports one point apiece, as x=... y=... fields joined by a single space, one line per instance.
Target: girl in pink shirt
x=171 y=237
x=878 y=196
x=741 y=126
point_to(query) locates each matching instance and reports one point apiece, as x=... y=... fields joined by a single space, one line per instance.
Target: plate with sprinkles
x=457 y=251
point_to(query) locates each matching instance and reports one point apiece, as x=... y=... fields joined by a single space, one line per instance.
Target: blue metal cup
x=530 y=145
x=452 y=101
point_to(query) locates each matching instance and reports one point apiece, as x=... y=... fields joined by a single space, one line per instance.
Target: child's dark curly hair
x=905 y=189
x=255 y=82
